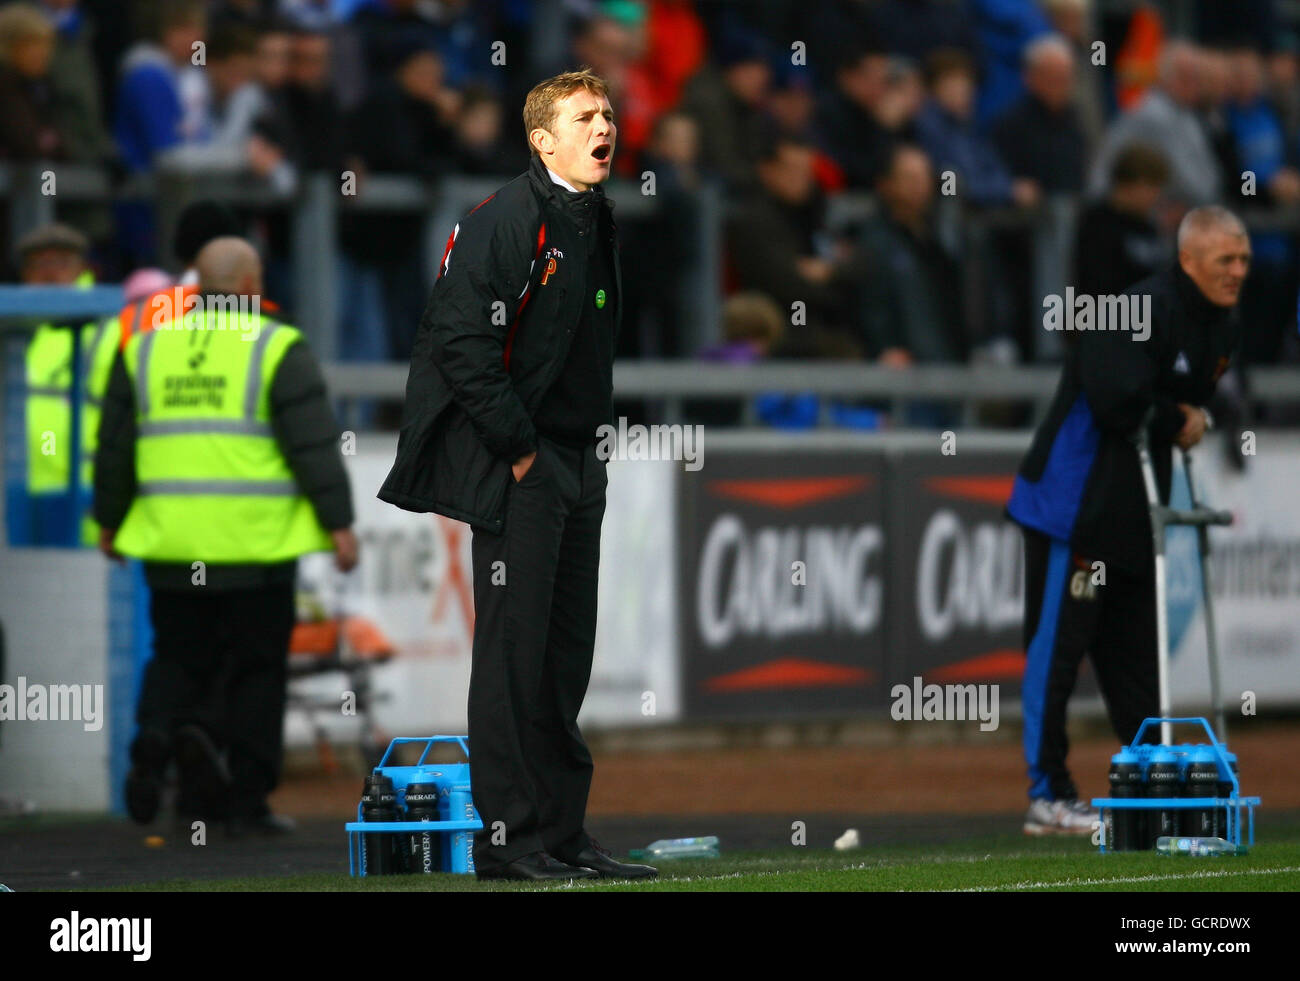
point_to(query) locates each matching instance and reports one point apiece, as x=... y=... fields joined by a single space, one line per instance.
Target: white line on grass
x=1048 y=884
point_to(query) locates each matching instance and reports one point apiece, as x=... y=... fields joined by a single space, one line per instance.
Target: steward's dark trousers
x=534 y=630
x=1069 y=613
x=220 y=661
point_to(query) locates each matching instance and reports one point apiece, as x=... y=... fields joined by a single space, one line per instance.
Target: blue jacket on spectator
x=1261 y=148
x=1004 y=28
x=953 y=144
x=158 y=106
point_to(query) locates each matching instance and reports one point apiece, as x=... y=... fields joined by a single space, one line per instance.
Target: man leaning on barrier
x=1079 y=496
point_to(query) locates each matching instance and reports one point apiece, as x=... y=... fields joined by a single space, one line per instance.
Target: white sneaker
x=1060 y=817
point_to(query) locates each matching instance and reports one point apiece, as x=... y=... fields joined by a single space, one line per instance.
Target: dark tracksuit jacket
x=1080 y=499
x=484 y=390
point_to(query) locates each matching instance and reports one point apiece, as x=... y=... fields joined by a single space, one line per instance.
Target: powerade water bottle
x=422 y=805
x=678 y=848
x=1162 y=782
x=1125 y=831
x=1202 y=781
x=379 y=803
x=1225 y=790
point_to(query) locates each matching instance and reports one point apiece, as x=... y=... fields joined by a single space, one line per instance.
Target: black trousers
x=221 y=661
x=1068 y=615
x=534 y=631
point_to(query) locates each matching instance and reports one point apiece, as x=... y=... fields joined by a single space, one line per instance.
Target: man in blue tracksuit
x=1089 y=567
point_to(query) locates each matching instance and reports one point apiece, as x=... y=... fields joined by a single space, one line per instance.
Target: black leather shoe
x=606 y=866
x=537 y=866
x=144 y=784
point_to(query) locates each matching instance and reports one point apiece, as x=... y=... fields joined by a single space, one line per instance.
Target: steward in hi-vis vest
x=55 y=255
x=218 y=465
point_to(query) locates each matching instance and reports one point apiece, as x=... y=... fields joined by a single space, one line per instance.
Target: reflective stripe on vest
x=213 y=485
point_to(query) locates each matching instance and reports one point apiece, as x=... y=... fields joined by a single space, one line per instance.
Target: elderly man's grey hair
x=1208 y=218
x=1045 y=45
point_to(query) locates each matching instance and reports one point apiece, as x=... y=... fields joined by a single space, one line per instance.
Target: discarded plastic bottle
x=1166 y=845
x=678 y=848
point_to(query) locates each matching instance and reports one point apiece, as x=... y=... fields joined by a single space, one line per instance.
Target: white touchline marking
x=1220 y=874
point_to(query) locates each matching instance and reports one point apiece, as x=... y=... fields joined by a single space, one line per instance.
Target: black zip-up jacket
x=494 y=337
x=1080 y=481
x=305 y=431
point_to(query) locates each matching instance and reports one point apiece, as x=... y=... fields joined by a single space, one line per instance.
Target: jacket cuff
x=1168 y=421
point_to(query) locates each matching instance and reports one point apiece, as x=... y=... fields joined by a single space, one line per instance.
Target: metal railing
x=670 y=384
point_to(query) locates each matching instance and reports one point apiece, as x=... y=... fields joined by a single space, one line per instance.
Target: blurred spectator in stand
x=404 y=126
x=237 y=103
x=1040 y=138
x=163 y=102
x=481 y=146
x=726 y=101
x=246 y=13
x=909 y=307
x=1041 y=142
x=1070 y=19
x=664 y=242
x=946 y=131
x=790 y=102
x=676 y=47
x=163 y=98
x=752 y=326
x=1212 y=111
x=386 y=30
x=1268 y=308
x=28 y=127
x=914 y=28
x=1004 y=29
x=1284 y=84
x=778 y=243
x=310 y=15
x=75 y=77
x=874 y=105
x=1166 y=118
x=1119 y=241
x=310 y=130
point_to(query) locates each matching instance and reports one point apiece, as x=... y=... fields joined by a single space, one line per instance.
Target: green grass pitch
x=1010 y=862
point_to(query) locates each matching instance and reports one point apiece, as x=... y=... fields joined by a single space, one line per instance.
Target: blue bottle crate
x=458 y=819
x=1232 y=805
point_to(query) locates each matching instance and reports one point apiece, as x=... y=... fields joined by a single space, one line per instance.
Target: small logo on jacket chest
x=553 y=255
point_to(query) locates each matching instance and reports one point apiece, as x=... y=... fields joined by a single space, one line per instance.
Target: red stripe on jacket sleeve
x=519 y=312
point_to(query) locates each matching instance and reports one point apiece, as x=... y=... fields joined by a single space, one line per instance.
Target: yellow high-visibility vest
x=212 y=484
x=49 y=406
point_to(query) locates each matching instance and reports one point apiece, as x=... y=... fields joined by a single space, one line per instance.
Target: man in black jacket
x=511 y=376
x=1089 y=567
x=213 y=694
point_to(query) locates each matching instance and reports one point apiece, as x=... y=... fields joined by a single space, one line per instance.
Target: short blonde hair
x=542 y=105
x=21 y=22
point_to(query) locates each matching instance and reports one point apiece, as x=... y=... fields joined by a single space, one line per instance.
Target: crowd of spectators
x=1001 y=105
